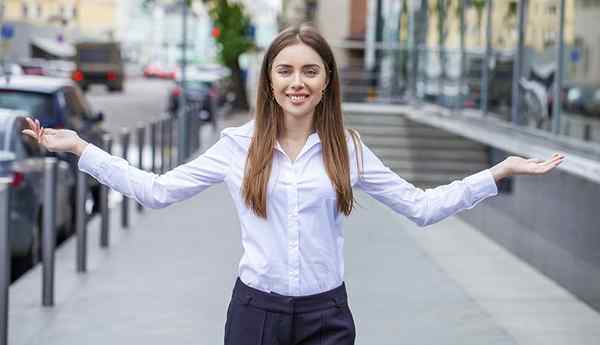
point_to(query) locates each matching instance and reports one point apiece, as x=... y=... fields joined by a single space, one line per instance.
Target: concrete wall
x=553 y=223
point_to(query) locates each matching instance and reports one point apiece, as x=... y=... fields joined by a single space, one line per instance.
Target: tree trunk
x=239 y=87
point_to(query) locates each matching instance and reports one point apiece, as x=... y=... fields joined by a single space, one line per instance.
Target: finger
x=30 y=133
x=30 y=123
x=50 y=131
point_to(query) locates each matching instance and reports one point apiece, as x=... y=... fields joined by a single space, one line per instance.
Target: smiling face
x=298 y=79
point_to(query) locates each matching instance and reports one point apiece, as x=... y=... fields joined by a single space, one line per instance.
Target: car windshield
x=197 y=84
x=95 y=55
x=33 y=103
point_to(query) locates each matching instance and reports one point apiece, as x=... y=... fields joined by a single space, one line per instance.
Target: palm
x=533 y=166
x=55 y=140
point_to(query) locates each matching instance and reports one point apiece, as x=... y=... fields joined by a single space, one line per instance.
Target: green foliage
x=232 y=23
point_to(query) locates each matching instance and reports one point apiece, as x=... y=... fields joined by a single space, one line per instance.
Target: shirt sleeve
x=423 y=207
x=158 y=191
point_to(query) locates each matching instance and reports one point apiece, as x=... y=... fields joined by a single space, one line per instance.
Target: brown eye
x=283 y=71
x=312 y=73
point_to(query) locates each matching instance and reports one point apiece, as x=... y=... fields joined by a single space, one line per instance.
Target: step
x=403 y=130
x=356 y=119
x=422 y=143
x=398 y=153
x=434 y=166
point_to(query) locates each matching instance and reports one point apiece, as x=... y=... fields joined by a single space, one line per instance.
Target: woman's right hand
x=55 y=140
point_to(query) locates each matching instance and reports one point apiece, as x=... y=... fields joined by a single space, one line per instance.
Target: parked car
x=26 y=206
x=159 y=70
x=206 y=91
x=99 y=63
x=56 y=103
x=34 y=66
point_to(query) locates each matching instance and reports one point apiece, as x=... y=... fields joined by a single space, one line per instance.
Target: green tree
x=231 y=25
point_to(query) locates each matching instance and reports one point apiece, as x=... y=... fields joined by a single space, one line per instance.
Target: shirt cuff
x=91 y=159
x=482 y=185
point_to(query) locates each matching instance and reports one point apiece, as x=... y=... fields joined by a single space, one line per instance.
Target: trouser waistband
x=245 y=294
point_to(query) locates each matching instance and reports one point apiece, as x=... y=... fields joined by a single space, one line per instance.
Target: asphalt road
x=142 y=101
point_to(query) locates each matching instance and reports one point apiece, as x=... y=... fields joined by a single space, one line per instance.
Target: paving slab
x=168 y=279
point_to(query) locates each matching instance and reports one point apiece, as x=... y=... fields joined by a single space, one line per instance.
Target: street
x=142 y=101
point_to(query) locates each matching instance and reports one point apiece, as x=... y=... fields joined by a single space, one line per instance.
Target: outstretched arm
x=149 y=189
x=425 y=207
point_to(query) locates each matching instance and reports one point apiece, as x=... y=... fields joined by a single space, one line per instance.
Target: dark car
x=56 y=103
x=26 y=206
x=205 y=89
x=99 y=63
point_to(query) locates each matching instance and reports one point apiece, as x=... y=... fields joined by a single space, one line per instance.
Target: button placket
x=293 y=234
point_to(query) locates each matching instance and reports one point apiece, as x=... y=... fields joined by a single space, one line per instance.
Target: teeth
x=297 y=98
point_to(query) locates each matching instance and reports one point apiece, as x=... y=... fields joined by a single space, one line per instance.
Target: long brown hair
x=269 y=124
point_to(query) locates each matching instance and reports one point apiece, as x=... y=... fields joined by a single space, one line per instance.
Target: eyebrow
x=305 y=66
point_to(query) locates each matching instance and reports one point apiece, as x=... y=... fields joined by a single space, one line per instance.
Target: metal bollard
x=104 y=209
x=80 y=225
x=153 y=145
x=140 y=141
x=170 y=143
x=163 y=143
x=125 y=135
x=6 y=176
x=49 y=231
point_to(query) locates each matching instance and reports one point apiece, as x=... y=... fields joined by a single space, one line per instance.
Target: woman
x=291 y=172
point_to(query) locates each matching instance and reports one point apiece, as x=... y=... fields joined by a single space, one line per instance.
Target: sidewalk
x=167 y=280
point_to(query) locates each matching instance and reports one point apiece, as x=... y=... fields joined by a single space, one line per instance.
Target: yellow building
x=91 y=18
x=541 y=26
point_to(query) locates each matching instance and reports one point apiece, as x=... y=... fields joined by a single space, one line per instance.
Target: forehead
x=298 y=55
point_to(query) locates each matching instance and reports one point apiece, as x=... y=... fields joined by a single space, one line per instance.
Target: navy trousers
x=255 y=317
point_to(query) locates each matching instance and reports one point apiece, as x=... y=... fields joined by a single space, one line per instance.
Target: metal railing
x=162 y=150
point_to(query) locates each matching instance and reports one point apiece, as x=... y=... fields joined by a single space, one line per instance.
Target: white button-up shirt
x=298 y=249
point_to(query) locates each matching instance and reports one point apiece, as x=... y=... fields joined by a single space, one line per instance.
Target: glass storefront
x=459 y=55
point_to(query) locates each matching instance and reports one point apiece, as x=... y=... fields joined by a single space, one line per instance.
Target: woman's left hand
x=520 y=166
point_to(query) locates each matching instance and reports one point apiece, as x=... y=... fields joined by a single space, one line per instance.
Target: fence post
x=163 y=145
x=49 y=231
x=6 y=160
x=80 y=218
x=140 y=141
x=171 y=150
x=125 y=135
x=104 y=209
x=153 y=145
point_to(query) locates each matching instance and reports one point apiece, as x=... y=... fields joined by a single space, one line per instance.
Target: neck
x=297 y=129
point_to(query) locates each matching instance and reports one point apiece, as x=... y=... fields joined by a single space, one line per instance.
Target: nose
x=297 y=82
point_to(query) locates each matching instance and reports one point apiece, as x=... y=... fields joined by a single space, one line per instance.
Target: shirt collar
x=244 y=133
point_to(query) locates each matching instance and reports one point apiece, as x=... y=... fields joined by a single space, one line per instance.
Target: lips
x=297 y=98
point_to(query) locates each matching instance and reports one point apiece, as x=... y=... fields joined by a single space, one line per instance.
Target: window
x=40 y=11
x=34 y=104
x=24 y=10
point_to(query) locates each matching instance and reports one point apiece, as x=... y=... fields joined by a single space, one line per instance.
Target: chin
x=299 y=113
